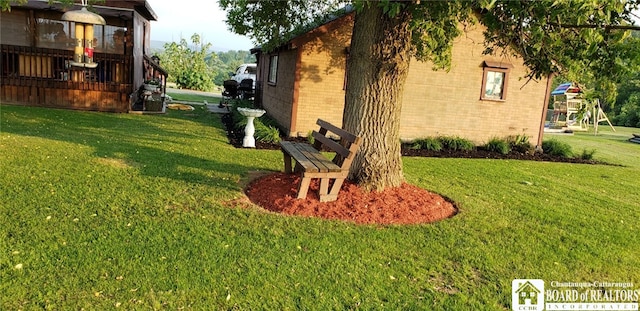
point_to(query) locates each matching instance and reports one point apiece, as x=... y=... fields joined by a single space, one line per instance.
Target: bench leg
x=324 y=187
x=304 y=187
x=287 y=163
x=335 y=188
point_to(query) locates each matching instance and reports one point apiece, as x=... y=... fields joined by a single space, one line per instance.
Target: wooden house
x=481 y=97
x=37 y=48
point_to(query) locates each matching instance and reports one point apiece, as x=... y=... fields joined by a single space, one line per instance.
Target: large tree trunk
x=377 y=70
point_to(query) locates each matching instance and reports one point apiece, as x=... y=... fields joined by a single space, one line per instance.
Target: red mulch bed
x=406 y=204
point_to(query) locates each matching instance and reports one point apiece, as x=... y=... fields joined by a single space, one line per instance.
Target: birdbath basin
x=249 y=141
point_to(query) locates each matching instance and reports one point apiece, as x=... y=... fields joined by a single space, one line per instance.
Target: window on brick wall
x=273 y=69
x=495 y=80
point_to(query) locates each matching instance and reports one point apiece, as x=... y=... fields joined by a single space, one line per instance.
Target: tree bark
x=377 y=70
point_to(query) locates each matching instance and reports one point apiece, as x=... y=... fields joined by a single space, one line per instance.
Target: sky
x=182 y=18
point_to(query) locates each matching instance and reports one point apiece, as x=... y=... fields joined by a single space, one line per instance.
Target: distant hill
x=157 y=45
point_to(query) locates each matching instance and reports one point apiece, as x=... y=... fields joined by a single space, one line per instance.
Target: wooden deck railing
x=42 y=67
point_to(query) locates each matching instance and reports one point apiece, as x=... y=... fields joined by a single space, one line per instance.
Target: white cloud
x=183 y=18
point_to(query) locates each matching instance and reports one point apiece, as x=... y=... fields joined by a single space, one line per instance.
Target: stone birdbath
x=249 y=141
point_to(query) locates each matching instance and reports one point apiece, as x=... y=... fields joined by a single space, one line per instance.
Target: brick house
x=481 y=97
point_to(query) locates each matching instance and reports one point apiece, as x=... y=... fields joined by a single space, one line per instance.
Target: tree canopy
x=549 y=35
x=187 y=63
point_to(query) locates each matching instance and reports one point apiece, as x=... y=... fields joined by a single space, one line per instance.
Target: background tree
x=226 y=63
x=187 y=66
x=548 y=35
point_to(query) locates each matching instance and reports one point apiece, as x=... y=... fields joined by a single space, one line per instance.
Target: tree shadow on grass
x=157 y=145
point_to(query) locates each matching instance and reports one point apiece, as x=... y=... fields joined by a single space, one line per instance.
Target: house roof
x=565 y=88
x=113 y=8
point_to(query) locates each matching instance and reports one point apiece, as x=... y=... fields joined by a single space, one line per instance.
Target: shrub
x=498 y=145
x=266 y=128
x=266 y=133
x=557 y=148
x=456 y=143
x=587 y=154
x=415 y=145
x=520 y=143
x=429 y=143
x=629 y=112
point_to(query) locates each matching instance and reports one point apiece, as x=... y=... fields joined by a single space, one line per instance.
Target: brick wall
x=322 y=78
x=435 y=102
x=448 y=103
x=277 y=98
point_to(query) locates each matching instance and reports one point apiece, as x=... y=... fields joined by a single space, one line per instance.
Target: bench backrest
x=346 y=148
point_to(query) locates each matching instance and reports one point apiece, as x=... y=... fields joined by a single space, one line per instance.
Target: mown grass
x=197 y=98
x=99 y=211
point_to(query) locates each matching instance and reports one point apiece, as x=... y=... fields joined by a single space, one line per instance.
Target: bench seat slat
x=300 y=158
x=309 y=156
x=323 y=164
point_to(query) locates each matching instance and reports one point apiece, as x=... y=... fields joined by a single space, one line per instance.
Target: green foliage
x=520 y=143
x=498 y=145
x=629 y=114
x=186 y=66
x=266 y=129
x=557 y=148
x=456 y=143
x=194 y=80
x=310 y=138
x=429 y=143
x=587 y=154
x=267 y=133
x=268 y=22
x=224 y=64
x=570 y=35
x=575 y=36
x=627 y=109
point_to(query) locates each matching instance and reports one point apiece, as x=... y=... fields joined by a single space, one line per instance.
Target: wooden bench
x=312 y=164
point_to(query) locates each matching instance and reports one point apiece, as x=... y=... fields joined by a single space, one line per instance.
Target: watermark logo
x=527 y=295
x=531 y=295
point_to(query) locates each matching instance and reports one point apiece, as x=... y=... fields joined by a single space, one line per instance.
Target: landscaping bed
x=480 y=153
x=236 y=135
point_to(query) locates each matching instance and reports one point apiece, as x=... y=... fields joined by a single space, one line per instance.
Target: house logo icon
x=527 y=295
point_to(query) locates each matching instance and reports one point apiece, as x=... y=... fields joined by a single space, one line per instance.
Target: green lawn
x=197 y=98
x=137 y=212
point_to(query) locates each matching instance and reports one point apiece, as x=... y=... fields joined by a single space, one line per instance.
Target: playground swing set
x=572 y=112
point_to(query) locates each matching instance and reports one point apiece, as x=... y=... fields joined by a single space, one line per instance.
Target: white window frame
x=273 y=69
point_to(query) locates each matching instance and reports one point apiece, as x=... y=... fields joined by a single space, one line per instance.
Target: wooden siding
x=41 y=77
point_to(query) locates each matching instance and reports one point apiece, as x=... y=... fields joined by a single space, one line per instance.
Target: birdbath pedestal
x=249 y=141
